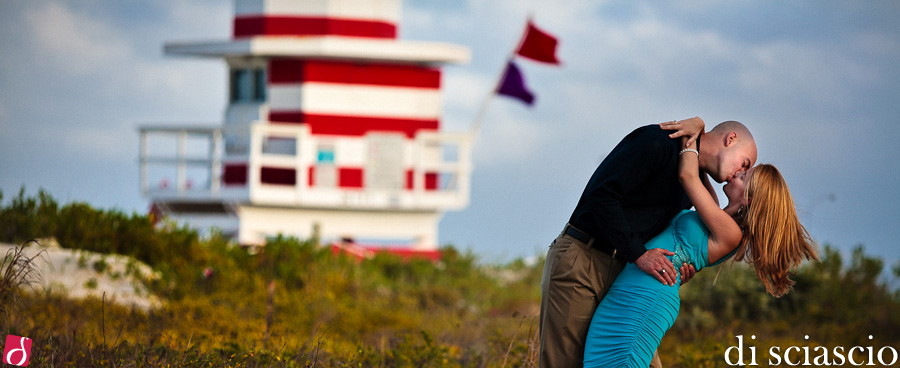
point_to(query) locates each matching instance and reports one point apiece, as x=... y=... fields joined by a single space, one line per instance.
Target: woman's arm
x=710 y=189
x=691 y=128
x=724 y=233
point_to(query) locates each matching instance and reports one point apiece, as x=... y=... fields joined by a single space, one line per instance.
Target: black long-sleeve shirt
x=633 y=194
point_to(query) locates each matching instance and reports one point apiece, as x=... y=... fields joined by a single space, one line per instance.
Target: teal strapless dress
x=637 y=311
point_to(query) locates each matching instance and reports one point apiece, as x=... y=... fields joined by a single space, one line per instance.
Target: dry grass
x=18 y=271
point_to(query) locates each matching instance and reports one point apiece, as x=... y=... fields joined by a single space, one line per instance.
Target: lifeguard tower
x=332 y=129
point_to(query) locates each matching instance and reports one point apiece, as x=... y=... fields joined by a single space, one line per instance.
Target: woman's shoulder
x=686 y=215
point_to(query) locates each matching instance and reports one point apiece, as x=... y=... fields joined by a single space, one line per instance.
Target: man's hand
x=687 y=272
x=655 y=263
x=688 y=127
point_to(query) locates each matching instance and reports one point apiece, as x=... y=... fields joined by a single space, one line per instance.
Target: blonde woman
x=759 y=225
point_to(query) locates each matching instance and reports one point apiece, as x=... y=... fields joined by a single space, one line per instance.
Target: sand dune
x=81 y=274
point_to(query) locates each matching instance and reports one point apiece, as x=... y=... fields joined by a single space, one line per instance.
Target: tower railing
x=440 y=168
x=180 y=160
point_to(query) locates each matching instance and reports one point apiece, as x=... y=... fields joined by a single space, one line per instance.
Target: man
x=630 y=198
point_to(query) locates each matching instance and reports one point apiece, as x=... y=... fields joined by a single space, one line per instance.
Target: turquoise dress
x=638 y=310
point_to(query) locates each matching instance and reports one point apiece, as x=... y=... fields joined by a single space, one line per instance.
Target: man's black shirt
x=633 y=194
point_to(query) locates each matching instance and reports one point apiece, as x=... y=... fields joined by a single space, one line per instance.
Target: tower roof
x=326 y=29
x=327 y=47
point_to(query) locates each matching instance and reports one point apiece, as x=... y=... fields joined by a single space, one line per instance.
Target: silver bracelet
x=690 y=150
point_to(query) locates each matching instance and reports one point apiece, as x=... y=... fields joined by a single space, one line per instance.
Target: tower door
x=385 y=166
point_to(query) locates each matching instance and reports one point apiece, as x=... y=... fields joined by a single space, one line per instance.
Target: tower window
x=248 y=85
x=259 y=79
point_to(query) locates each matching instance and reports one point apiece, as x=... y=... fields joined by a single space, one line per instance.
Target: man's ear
x=730 y=139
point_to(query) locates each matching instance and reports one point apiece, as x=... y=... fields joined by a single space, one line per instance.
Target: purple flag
x=513 y=85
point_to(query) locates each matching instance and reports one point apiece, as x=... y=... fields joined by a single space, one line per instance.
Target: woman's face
x=734 y=189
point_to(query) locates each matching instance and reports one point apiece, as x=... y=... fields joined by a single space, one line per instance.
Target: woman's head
x=774 y=241
x=736 y=188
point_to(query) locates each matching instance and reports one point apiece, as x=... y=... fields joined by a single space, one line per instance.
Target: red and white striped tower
x=332 y=128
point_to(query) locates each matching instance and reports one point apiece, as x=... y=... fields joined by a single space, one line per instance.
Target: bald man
x=630 y=198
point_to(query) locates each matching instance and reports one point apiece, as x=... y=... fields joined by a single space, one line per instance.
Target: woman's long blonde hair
x=774 y=241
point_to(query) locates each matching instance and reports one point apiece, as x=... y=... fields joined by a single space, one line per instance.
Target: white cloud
x=792 y=71
x=101 y=143
x=418 y=18
x=118 y=82
x=657 y=50
x=575 y=16
x=465 y=90
x=509 y=140
x=647 y=68
x=655 y=60
x=623 y=66
x=75 y=42
x=173 y=81
x=78 y=45
x=876 y=44
x=202 y=19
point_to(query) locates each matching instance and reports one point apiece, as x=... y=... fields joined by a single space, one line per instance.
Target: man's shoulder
x=652 y=136
x=652 y=131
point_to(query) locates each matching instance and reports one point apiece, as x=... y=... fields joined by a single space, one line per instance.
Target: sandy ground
x=81 y=274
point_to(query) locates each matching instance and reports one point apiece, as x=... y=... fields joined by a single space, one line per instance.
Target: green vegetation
x=294 y=304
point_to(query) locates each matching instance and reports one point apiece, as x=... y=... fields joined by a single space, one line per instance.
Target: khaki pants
x=576 y=277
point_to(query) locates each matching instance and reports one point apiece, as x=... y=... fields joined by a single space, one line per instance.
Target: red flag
x=538 y=45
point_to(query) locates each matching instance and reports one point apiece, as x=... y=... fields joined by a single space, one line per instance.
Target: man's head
x=727 y=149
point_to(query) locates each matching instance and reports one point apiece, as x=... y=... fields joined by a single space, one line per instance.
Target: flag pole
x=482 y=110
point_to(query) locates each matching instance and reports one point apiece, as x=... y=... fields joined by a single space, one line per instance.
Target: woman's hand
x=691 y=128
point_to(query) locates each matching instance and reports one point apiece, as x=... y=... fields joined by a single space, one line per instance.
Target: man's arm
x=639 y=155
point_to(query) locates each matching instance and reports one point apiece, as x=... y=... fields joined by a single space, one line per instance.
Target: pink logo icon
x=17 y=350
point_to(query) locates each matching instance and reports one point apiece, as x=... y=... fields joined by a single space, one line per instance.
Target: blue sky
x=817 y=82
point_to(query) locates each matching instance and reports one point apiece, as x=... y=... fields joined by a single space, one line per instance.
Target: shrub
x=332 y=311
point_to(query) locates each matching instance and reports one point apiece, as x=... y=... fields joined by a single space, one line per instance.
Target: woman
x=759 y=225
